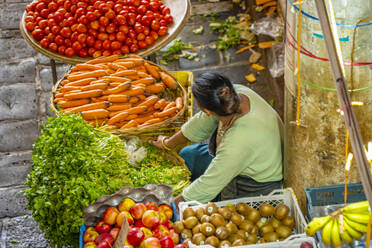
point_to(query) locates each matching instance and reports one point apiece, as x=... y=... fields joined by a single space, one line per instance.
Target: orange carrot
x=129 y=65
x=95 y=74
x=166 y=112
x=131 y=117
x=141 y=97
x=155 y=88
x=101 y=86
x=116 y=67
x=118 y=89
x=136 y=61
x=143 y=74
x=117 y=118
x=153 y=121
x=117 y=79
x=179 y=103
x=119 y=106
x=65 y=81
x=134 y=92
x=74 y=103
x=134 y=56
x=87 y=67
x=59 y=99
x=124 y=73
x=68 y=88
x=58 y=95
x=151 y=100
x=106 y=81
x=266 y=44
x=118 y=98
x=133 y=77
x=145 y=81
x=153 y=70
x=130 y=124
x=137 y=110
x=81 y=82
x=95 y=114
x=144 y=118
x=84 y=94
x=140 y=68
x=103 y=59
x=98 y=122
x=160 y=103
x=170 y=105
x=90 y=106
x=168 y=80
x=134 y=99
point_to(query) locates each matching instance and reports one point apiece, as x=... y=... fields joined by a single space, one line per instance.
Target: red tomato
x=157 y=16
x=102 y=36
x=142 y=44
x=70 y=21
x=96 y=4
x=58 y=16
x=154 y=35
x=146 y=30
x=38 y=19
x=121 y=19
x=124 y=49
x=44 y=13
x=104 y=21
x=124 y=29
x=83 y=20
x=29 y=19
x=73 y=10
x=69 y=52
x=141 y=36
x=132 y=34
x=138 y=28
x=110 y=28
x=128 y=42
x=66 y=32
x=103 y=8
x=154 y=6
x=118 y=7
x=98 y=45
x=67 y=5
x=61 y=50
x=53 y=47
x=38 y=34
x=134 y=48
x=74 y=36
x=51 y=37
x=146 y=3
x=82 y=5
x=106 y=44
x=40 y=6
x=60 y=2
x=110 y=14
x=106 y=53
x=131 y=19
x=77 y=46
x=97 y=13
x=30 y=26
x=138 y=18
x=91 y=51
x=161 y=7
x=81 y=28
x=59 y=40
x=110 y=4
x=94 y=25
x=90 y=41
x=79 y=12
x=112 y=37
x=67 y=42
x=97 y=54
x=43 y=24
x=116 y=52
x=83 y=53
x=44 y=43
x=165 y=11
x=115 y=45
x=120 y=36
x=141 y=9
x=102 y=29
x=47 y=30
x=136 y=3
x=168 y=18
x=149 y=40
x=155 y=25
x=163 y=22
x=74 y=27
x=91 y=16
x=55 y=29
x=93 y=33
x=62 y=11
x=52 y=22
x=82 y=38
x=146 y=20
x=163 y=30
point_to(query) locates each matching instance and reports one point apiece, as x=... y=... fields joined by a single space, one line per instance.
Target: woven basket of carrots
x=128 y=95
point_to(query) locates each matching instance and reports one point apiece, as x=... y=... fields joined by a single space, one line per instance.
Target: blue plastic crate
x=83 y=228
x=331 y=195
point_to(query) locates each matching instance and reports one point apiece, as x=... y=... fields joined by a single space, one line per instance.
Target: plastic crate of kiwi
x=274 y=220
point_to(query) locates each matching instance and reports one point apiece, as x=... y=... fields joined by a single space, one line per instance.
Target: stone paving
x=25 y=85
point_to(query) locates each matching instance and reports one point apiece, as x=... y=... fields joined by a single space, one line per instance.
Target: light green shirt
x=251 y=147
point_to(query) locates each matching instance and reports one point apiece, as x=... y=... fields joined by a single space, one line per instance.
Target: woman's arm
x=171 y=142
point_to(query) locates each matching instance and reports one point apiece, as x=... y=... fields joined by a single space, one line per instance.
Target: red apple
x=180 y=246
x=166 y=242
x=91 y=228
x=150 y=218
x=163 y=219
x=110 y=214
x=90 y=236
x=135 y=236
x=160 y=231
x=174 y=236
x=137 y=210
x=90 y=245
x=103 y=227
x=151 y=243
x=120 y=218
x=114 y=232
x=150 y=205
x=126 y=204
x=167 y=210
x=104 y=244
x=139 y=223
x=147 y=232
x=169 y=224
x=104 y=237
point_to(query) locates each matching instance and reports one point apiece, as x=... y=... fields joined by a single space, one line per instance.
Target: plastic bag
x=273 y=27
x=276 y=60
x=136 y=153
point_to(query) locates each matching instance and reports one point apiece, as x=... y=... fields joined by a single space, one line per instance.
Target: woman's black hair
x=215 y=92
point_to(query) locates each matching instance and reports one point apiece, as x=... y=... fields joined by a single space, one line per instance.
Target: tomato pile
x=97 y=28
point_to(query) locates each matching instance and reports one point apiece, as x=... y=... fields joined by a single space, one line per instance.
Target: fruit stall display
x=122 y=93
x=241 y=222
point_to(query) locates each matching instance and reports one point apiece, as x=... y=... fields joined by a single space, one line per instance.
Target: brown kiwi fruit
x=224 y=243
x=198 y=239
x=238 y=242
x=222 y=232
x=288 y=221
x=252 y=238
x=190 y=222
x=266 y=229
x=266 y=210
x=213 y=241
x=253 y=215
x=225 y=212
x=283 y=231
x=262 y=221
x=188 y=212
x=178 y=226
x=243 y=208
x=196 y=229
x=246 y=225
x=217 y=220
x=275 y=222
x=233 y=237
x=205 y=218
x=281 y=211
x=211 y=208
x=186 y=234
x=271 y=237
x=255 y=230
x=207 y=229
x=199 y=213
x=186 y=242
x=261 y=241
x=231 y=207
x=236 y=218
x=232 y=228
x=243 y=234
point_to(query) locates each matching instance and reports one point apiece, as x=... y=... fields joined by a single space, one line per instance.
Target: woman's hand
x=178 y=199
x=158 y=142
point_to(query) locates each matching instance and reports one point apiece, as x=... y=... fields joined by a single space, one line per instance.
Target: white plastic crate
x=275 y=198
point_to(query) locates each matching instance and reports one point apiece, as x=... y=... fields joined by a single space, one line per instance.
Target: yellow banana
x=357 y=207
x=327 y=231
x=357 y=226
x=335 y=234
x=346 y=237
x=360 y=218
x=353 y=233
x=316 y=224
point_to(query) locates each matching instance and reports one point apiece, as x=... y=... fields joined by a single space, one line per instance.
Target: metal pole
x=345 y=102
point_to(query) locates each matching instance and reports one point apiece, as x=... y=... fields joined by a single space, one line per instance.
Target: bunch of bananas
x=345 y=224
